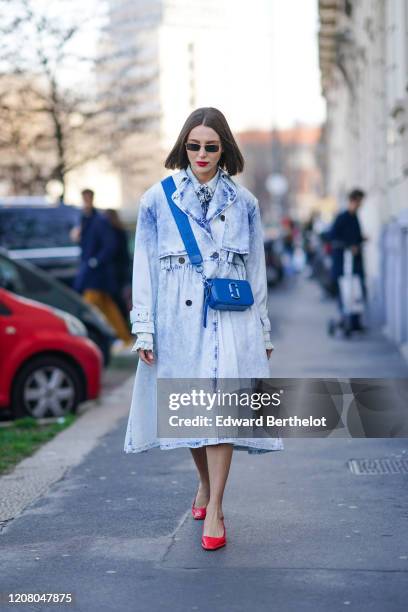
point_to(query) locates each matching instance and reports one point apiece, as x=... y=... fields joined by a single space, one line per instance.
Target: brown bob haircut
x=231 y=158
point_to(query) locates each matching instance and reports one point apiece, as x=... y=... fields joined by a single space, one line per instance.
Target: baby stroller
x=351 y=300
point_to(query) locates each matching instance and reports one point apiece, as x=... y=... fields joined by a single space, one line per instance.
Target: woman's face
x=203 y=163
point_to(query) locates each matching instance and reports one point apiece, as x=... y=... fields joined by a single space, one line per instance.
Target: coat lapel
x=186 y=199
x=224 y=195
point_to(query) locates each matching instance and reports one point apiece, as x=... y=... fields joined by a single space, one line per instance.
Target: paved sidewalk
x=299 y=317
x=34 y=475
x=304 y=532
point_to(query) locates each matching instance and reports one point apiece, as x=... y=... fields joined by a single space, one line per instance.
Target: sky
x=297 y=94
x=277 y=72
x=262 y=70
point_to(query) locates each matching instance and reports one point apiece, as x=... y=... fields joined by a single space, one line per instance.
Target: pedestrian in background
x=96 y=277
x=345 y=233
x=168 y=298
x=309 y=242
x=122 y=263
x=288 y=239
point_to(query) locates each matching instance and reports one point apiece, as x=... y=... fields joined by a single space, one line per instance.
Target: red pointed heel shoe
x=198 y=513
x=212 y=543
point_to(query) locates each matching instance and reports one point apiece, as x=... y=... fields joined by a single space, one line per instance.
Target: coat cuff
x=137 y=328
x=142 y=320
x=144 y=341
x=267 y=340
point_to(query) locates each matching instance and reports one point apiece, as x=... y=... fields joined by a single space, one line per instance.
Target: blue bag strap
x=182 y=222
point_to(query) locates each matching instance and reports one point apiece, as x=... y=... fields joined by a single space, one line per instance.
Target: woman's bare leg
x=219 y=461
x=200 y=459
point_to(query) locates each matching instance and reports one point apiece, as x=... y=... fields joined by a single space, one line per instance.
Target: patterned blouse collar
x=196 y=183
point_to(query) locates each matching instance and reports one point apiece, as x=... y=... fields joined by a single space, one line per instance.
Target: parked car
x=47 y=363
x=37 y=231
x=27 y=280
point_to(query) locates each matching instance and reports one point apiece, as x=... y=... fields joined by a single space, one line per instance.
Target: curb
x=33 y=476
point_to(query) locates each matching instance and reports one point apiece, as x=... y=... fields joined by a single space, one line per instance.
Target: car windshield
x=28 y=228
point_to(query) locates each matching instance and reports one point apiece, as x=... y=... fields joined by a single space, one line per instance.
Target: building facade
x=197 y=54
x=363 y=53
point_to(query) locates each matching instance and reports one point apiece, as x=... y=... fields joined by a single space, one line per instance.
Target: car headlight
x=74 y=325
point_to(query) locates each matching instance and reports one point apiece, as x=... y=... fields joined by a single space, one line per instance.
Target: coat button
x=181 y=260
x=222 y=217
x=188 y=302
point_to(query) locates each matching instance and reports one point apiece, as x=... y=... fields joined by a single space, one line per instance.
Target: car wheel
x=46 y=386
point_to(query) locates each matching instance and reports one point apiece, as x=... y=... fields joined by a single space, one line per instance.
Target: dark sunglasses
x=210 y=148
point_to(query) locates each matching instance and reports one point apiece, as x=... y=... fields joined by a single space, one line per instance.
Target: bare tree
x=126 y=76
x=56 y=116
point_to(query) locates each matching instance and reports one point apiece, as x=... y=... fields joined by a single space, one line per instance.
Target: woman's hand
x=146 y=356
x=269 y=353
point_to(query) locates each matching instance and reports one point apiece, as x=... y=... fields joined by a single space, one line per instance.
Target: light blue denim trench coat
x=168 y=302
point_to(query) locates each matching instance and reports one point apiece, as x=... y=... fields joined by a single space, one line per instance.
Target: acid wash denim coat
x=168 y=302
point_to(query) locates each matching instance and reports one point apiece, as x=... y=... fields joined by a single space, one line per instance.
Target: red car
x=47 y=364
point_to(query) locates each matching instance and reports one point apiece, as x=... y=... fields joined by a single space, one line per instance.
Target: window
x=9 y=276
x=30 y=228
x=19 y=279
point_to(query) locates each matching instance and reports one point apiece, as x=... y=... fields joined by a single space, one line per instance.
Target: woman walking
x=168 y=300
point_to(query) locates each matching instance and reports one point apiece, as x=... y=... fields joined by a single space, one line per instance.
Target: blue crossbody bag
x=219 y=293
